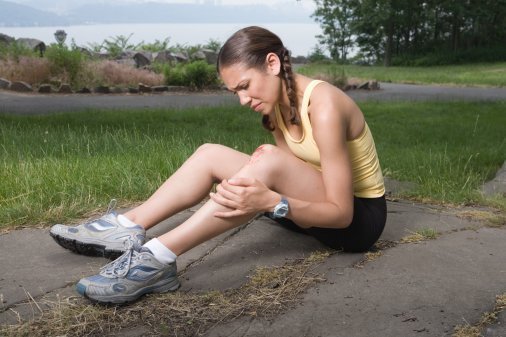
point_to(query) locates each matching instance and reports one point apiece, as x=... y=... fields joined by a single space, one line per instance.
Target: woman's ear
x=273 y=64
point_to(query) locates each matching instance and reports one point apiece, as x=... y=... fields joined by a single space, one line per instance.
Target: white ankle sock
x=126 y=222
x=161 y=253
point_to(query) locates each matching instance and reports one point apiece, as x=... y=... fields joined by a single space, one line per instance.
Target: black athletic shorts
x=369 y=218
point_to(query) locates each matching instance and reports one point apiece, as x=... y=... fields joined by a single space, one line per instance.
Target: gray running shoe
x=133 y=274
x=101 y=237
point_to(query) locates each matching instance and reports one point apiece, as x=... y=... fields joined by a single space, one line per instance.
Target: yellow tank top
x=367 y=177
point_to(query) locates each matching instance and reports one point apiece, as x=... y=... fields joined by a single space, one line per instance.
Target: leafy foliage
x=397 y=30
x=196 y=75
x=66 y=60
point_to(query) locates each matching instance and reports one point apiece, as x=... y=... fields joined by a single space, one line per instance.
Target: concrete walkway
x=412 y=289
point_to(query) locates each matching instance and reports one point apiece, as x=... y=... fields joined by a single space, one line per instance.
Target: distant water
x=298 y=37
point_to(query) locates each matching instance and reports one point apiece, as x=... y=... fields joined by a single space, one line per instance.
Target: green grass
x=448 y=149
x=487 y=74
x=64 y=167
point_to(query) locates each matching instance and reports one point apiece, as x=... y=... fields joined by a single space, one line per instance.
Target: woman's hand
x=243 y=196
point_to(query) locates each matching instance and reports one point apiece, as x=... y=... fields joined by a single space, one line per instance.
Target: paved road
x=28 y=104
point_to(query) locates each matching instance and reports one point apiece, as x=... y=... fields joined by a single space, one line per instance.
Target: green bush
x=65 y=61
x=195 y=75
x=15 y=51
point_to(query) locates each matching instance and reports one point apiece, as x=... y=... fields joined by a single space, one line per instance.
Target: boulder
x=179 y=57
x=102 y=89
x=4 y=84
x=117 y=90
x=162 y=57
x=160 y=88
x=144 y=88
x=33 y=44
x=211 y=56
x=176 y=88
x=45 y=89
x=6 y=39
x=20 y=86
x=199 y=55
x=364 y=85
x=65 y=89
x=142 y=59
x=84 y=90
x=374 y=85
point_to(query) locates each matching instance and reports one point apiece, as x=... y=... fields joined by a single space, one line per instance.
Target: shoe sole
x=86 y=248
x=169 y=287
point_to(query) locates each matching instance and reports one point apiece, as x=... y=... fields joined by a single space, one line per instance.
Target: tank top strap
x=307 y=95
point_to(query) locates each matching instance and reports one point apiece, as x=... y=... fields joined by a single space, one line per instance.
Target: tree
x=335 y=17
x=433 y=31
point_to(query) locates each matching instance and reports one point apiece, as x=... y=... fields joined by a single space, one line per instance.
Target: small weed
x=420 y=235
x=491 y=218
x=487 y=318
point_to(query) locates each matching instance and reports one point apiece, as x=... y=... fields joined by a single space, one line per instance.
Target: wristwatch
x=281 y=209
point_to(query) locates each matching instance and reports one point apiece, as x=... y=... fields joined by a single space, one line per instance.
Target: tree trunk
x=389 y=44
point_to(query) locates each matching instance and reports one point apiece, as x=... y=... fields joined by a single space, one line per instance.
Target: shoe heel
x=171 y=286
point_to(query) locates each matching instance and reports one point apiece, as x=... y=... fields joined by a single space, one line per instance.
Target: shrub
x=65 y=63
x=199 y=74
x=15 y=51
x=196 y=75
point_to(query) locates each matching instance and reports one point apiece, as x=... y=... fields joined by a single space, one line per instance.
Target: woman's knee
x=265 y=154
x=265 y=162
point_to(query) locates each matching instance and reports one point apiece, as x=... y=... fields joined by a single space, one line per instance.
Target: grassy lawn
x=487 y=74
x=64 y=167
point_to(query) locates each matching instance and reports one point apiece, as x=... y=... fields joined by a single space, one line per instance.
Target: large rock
x=144 y=88
x=6 y=39
x=45 y=89
x=180 y=57
x=4 y=84
x=84 y=90
x=33 y=44
x=65 y=89
x=142 y=59
x=162 y=56
x=102 y=89
x=205 y=55
x=20 y=86
x=211 y=56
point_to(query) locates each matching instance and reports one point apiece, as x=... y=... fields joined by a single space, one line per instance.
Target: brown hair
x=250 y=47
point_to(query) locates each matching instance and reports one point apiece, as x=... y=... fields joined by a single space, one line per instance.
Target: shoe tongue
x=145 y=250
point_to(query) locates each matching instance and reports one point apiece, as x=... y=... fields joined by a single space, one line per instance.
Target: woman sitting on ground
x=322 y=177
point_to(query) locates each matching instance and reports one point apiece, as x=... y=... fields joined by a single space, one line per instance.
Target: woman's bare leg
x=189 y=184
x=277 y=169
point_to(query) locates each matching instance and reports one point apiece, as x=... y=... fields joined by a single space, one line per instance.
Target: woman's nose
x=244 y=98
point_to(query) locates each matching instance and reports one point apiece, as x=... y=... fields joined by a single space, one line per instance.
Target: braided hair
x=250 y=47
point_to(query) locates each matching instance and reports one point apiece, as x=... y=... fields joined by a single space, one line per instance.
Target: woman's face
x=258 y=89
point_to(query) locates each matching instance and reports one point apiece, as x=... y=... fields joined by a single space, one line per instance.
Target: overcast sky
x=61 y=6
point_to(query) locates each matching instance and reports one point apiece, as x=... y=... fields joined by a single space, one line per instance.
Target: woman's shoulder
x=326 y=97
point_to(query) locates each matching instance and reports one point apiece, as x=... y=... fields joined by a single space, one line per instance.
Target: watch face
x=281 y=209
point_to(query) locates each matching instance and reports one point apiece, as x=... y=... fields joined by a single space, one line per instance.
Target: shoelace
x=112 y=206
x=121 y=266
